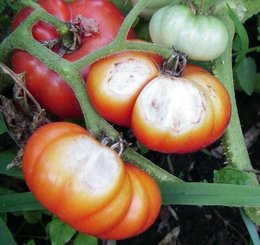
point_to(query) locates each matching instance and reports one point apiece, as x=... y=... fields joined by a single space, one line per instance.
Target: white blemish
x=126 y=76
x=173 y=103
x=94 y=167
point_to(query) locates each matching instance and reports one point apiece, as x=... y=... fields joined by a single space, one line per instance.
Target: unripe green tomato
x=154 y=5
x=200 y=37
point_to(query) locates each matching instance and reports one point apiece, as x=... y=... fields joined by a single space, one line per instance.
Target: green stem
x=233 y=140
x=159 y=174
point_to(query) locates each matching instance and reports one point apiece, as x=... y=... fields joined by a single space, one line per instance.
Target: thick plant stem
x=233 y=141
x=160 y=175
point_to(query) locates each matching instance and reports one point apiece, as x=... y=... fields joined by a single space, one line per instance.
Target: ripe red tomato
x=114 y=83
x=181 y=115
x=87 y=184
x=45 y=85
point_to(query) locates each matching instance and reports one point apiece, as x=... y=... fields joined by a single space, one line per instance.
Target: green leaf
x=230 y=175
x=83 y=239
x=19 y=202
x=143 y=149
x=172 y=193
x=31 y=242
x=242 y=33
x=32 y=217
x=246 y=74
x=3 y=127
x=124 y=5
x=60 y=233
x=3 y=217
x=250 y=227
x=6 y=235
x=210 y=194
x=5 y=159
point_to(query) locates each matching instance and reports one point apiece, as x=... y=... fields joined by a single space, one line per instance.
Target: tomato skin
x=105 y=79
x=87 y=185
x=219 y=96
x=189 y=123
x=45 y=82
x=200 y=37
x=48 y=88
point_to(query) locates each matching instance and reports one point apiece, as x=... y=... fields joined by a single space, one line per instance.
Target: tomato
x=154 y=5
x=46 y=86
x=87 y=184
x=181 y=115
x=114 y=83
x=200 y=37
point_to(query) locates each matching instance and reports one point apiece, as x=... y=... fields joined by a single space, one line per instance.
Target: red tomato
x=48 y=88
x=86 y=183
x=181 y=115
x=114 y=83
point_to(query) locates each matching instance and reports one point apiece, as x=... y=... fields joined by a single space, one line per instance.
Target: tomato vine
x=235 y=150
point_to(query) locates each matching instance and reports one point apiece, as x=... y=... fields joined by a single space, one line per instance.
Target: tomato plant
x=87 y=184
x=201 y=37
x=229 y=188
x=47 y=86
x=115 y=82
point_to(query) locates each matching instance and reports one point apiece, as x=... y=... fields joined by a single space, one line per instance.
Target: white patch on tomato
x=96 y=168
x=127 y=76
x=174 y=103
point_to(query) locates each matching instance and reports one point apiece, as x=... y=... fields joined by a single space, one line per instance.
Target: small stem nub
x=119 y=146
x=175 y=64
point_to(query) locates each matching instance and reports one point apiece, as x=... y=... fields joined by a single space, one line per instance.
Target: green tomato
x=200 y=37
x=154 y=5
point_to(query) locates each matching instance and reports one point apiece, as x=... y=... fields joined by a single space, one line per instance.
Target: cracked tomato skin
x=181 y=115
x=115 y=82
x=87 y=184
x=46 y=86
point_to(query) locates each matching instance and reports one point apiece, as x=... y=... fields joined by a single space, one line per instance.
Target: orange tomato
x=114 y=83
x=181 y=115
x=87 y=184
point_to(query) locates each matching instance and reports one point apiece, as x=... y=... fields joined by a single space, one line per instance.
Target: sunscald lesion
x=173 y=103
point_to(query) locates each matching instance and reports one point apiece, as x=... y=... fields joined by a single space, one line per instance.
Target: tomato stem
x=175 y=64
x=233 y=140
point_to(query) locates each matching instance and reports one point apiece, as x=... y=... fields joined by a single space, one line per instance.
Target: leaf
x=32 y=217
x=230 y=175
x=83 y=239
x=172 y=193
x=210 y=194
x=5 y=159
x=6 y=235
x=3 y=217
x=242 y=33
x=30 y=242
x=124 y=5
x=143 y=149
x=19 y=202
x=60 y=233
x=3 y=127
x=250 y=227
x=246 y=74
